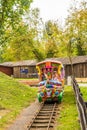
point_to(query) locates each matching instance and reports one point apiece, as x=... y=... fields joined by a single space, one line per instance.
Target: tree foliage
x=77 y=28
x=53 y=35
x=24 y=41
x=23 y=35
x=11 y=12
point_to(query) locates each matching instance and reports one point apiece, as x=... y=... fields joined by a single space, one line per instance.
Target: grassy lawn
x=84 y=92
x=13 y=98
x=68 y=119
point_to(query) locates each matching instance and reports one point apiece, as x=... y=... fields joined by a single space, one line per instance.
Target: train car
x=51 y=77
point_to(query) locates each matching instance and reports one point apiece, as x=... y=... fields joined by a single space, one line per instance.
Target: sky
x=53 y=9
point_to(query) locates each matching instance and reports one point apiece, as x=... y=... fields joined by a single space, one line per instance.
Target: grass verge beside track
x=13 y=98
x=84 y=92
x=68 y=118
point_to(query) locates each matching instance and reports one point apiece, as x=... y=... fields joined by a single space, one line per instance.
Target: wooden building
x=7 y=68
x=79 y=66
x=20 y=69
x=27 y=68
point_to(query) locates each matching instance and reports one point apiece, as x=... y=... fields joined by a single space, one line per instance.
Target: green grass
x=84 y=92
x=14 y=97
x=68 y=118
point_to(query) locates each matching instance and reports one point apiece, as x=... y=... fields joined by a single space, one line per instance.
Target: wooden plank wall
x=80 y=70
x=6 y=70
x=31 y=72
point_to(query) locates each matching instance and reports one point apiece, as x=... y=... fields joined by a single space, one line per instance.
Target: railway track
x=45 y=118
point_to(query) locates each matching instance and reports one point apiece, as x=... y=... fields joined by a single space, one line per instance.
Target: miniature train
x=51 y=77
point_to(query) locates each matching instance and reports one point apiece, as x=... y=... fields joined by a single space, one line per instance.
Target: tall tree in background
x=53 y=35
x=77 y=29
x=25 y=41
x=35 y=24
x=11 y=12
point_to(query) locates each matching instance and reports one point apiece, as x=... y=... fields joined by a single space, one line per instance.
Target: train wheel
x=60 y=97
x=39 y=98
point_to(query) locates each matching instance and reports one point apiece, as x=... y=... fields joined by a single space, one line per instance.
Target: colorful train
x=51 y=77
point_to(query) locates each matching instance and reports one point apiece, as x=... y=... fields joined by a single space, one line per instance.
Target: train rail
x=45 y=118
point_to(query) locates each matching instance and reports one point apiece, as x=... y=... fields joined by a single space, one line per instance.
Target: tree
x=24 y=42
x=53 y=35
x=77 y=28
x=11 y=12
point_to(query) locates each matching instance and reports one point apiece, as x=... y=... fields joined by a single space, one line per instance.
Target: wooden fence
x=81 y=105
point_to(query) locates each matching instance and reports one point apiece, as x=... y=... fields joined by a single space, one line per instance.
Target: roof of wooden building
x=75 y=60
x=20 y=63
x=7 y=64
x=79 y=59
x=65 y=61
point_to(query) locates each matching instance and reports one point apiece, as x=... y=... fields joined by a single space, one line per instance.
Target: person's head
x=54 y=73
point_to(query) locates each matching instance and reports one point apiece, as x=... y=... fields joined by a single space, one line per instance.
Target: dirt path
x=30 y=82
x=25 y=117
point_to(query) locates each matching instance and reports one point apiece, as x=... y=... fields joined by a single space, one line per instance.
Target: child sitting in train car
x=55 y=76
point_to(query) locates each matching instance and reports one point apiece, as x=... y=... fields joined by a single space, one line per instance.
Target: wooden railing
x=81 y=105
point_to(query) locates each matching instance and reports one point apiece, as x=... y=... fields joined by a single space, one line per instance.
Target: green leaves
x=23 y=35
x=11 y=12
x=77 y=28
